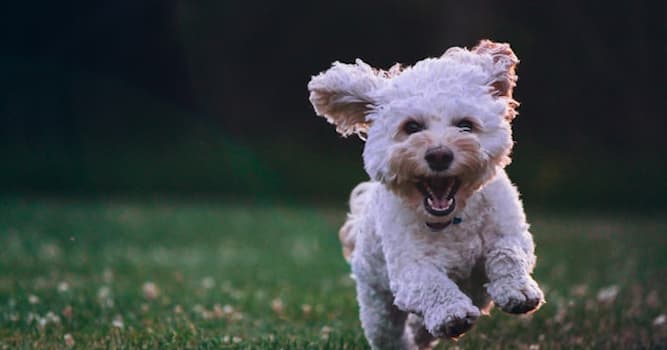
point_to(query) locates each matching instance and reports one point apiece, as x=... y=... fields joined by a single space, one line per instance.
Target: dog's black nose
x=439 y=158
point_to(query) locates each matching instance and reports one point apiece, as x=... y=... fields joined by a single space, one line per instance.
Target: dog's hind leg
x=348 y=232
x=383 y=322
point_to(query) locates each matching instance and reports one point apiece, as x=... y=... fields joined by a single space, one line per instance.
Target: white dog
x=439 y=233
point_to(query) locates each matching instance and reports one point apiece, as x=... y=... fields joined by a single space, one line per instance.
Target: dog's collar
x=443 y=225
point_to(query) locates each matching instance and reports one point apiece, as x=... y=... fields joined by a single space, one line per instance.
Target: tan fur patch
x=347 y=238
x=347 y=114
x=406 y=163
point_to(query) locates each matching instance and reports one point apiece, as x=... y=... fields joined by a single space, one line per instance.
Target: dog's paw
x=452 y=321
x=516 y=296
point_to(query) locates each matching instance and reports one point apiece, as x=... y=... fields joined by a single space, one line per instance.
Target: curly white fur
x=422 y=276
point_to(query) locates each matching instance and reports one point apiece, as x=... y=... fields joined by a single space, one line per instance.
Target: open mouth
x=439 y=194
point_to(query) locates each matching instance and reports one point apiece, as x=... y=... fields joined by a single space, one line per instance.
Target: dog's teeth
x=430 y=202
x=449 y=202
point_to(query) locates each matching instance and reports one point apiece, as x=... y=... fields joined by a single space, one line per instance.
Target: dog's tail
x=348 y=232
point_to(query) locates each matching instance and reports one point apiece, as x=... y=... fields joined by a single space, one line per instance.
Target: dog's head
x=436 y=132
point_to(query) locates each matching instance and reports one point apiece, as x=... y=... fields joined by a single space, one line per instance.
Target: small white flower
x=150 y=290
x=103 y=293
x=33 y=299
x=325 y=332
x=306 y=309
x=277 y=305
x=208 y=282
x=608 y=294
x=69 y=340
x=63 y=287
x=118 y=322
x=52 y=318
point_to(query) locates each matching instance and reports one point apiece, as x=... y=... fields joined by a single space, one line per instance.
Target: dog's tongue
x=440 y=203
x=439 y=188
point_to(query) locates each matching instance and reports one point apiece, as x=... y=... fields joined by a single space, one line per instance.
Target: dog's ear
x=504 y=63
x=344 y=95
x=502 y=71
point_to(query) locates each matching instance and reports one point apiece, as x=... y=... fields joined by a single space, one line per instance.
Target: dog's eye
x=412 y=127
x=465 y=125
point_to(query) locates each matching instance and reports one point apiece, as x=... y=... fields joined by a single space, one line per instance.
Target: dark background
x=209 y=98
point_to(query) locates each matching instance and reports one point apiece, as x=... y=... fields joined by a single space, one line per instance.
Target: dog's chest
x=457 y=249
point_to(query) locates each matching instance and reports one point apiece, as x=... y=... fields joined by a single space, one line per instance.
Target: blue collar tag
x=436 y=227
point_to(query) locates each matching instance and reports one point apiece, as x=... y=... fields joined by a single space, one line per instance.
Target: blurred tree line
x=209 y=96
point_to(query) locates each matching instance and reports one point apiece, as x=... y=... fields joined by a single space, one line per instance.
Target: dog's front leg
x=509 y=262
x=422 y=287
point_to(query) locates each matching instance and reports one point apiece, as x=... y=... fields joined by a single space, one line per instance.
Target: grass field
x=213 y=274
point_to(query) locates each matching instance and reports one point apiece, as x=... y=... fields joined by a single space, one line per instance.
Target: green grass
x=241 y=276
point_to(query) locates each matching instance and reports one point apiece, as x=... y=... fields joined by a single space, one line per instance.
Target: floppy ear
x=504 y=62
x=344 y=95
x=503 y=76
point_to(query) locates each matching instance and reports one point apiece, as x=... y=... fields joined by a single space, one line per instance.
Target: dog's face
x=436 y=132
